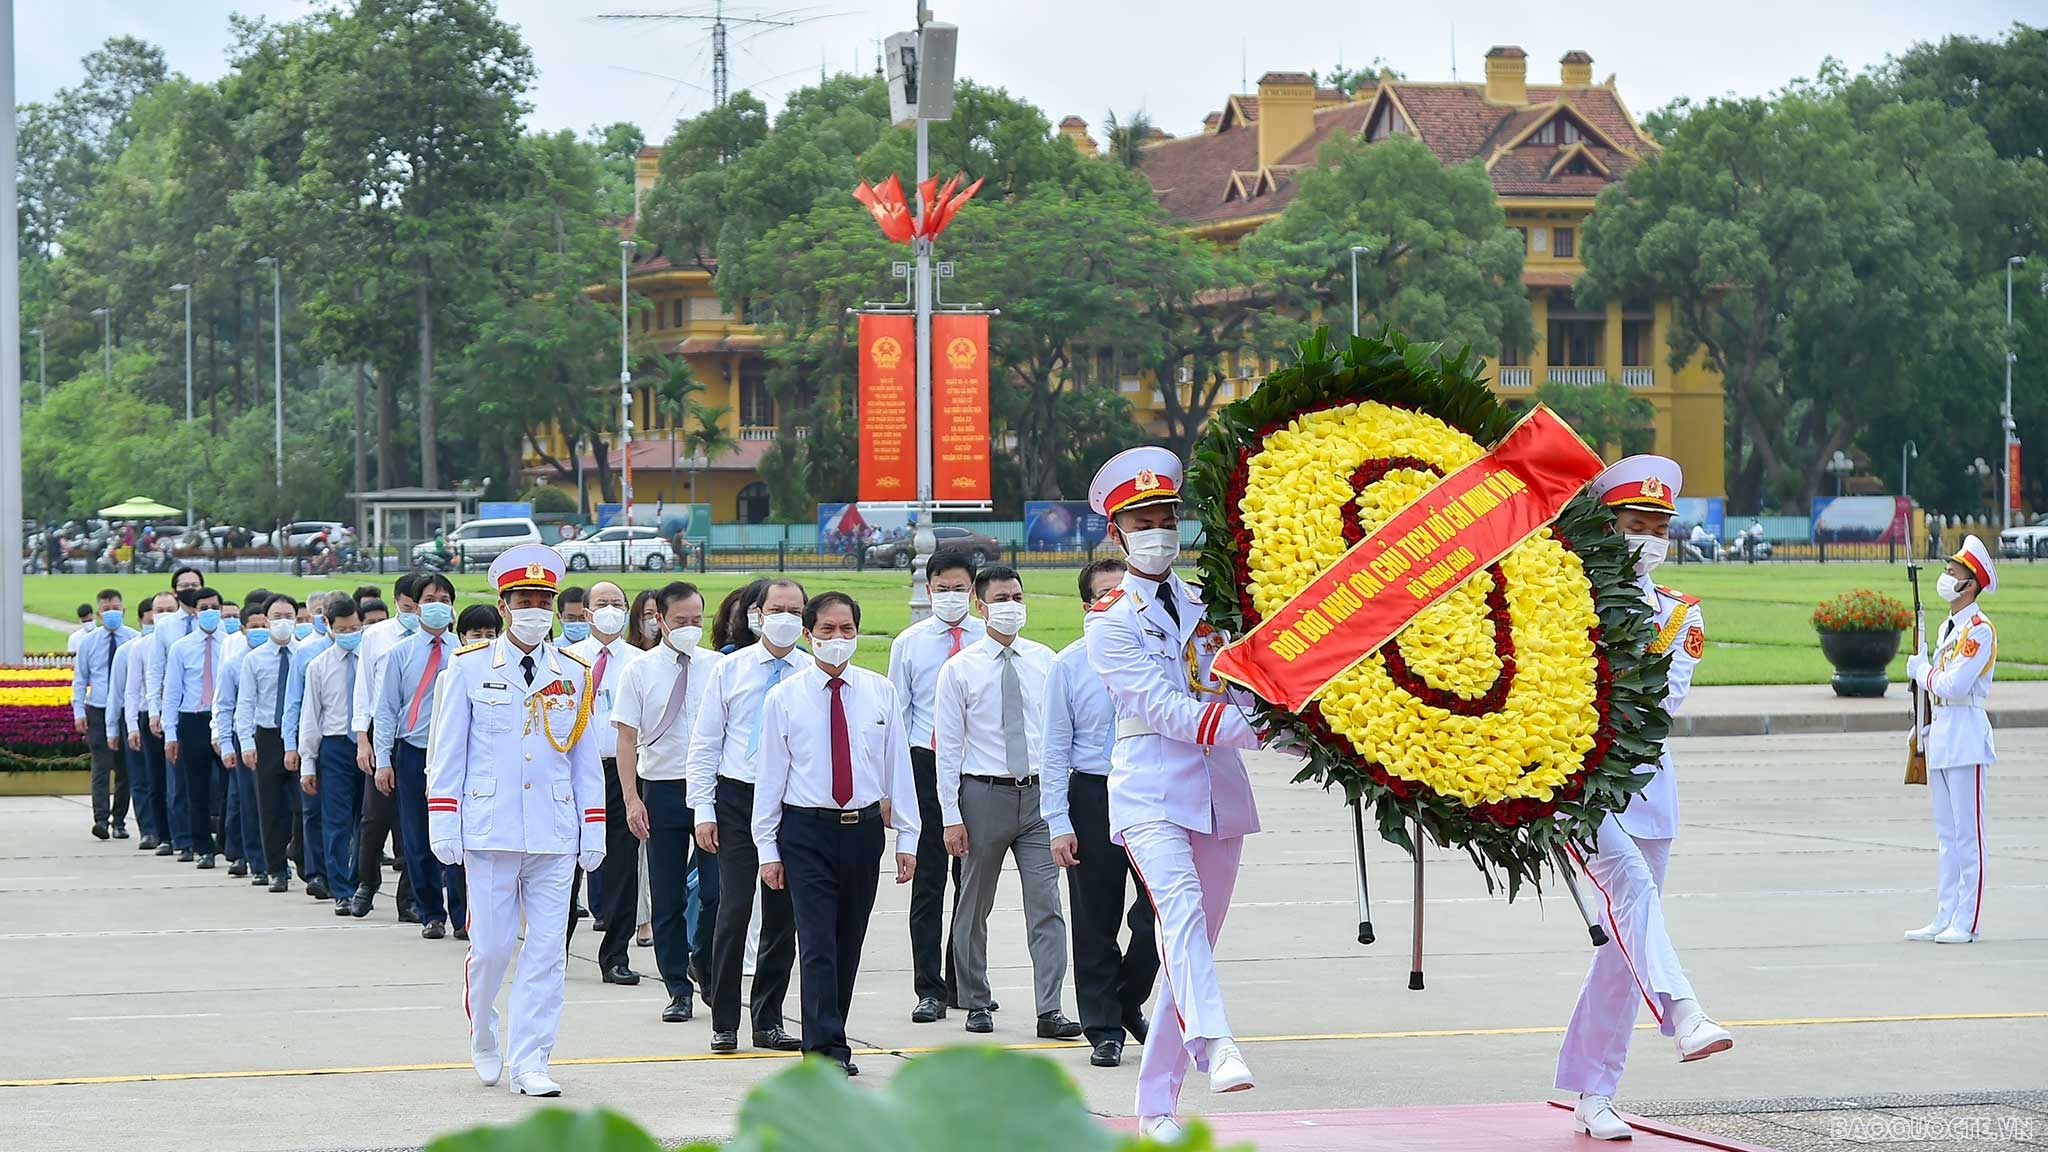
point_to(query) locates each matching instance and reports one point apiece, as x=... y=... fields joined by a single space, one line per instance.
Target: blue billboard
x=1062 y=526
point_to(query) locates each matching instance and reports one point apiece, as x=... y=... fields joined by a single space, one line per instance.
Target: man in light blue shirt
x=153 y=794
x=191 y=677
x=171 y=627
x=405 y=711
x=264 y=675
x=120 y=730
x=92 y=702
x=240 y=831
x=312 y=856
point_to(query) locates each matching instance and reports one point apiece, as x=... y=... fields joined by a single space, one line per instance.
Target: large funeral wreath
x=1512 y=714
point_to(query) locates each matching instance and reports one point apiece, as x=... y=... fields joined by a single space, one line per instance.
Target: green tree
x=1128 y=137
x=2000 y=84
x=1610 y=416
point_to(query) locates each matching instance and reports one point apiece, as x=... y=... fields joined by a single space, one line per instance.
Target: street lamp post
x=1355 y=250
x=1841 y=466
x=187 y=290
x=626 y=250
x=2010 y=427
x=276 y=354
x=42 y=364
x=1977 y=470
x=106 y=319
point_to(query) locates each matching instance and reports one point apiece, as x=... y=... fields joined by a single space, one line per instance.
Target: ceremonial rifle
x=1916 y=744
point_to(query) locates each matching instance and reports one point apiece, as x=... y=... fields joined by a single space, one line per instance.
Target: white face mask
x=754 y=621
x=1152 y=551
x=1948 y=588
x=650 y=627
x=283 y=631
x=1653 y=549
x=781 y=628
x=610 y=619
x=832 y=653
x=531 y=625
x=685 y=639
x=1006 y=617
x=950 y=606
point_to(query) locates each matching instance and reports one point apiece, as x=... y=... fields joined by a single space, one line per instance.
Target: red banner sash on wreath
x=1469 y=520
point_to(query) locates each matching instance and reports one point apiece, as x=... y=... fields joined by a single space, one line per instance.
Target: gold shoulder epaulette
x=575 y=657
x=476 y=647
x=1675 y=594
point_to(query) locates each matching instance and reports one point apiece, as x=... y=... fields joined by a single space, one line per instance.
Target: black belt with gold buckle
x=837 y=815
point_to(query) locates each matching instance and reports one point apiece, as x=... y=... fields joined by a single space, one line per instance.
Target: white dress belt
x=1134 y=726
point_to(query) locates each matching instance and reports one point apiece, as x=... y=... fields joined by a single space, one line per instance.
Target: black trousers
x=109 y=770
x=931 y=945
x=621 y=874
x=1111 y=985
x=739 y=876
x=277 y=809
x=379 y=824
x=831 y=870
x=671 y=853
x=198 y=769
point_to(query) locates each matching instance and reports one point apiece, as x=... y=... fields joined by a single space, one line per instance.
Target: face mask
x=410 y=621
x=950 y=606
x=1152 y=551
x=1006 y=617
x=148 y=626
x=575 y=631
x=1653 y=548
x=189 y=597
x=754 y=621
x=610 y=619
x=781 y=628
x=209 y=620
x=832 y=653
x=1948 y=588
x=348 y=640
x=232 y=625
x=529 y=625
x=319 y=625
x=282 y=631
x=440 y=615
x=302 y=630
x=112 y=619
x=650 y=627
x=257 y=637
x=685 y=639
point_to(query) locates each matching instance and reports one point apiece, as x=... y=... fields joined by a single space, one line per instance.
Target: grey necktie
x=284 y=675
x=676 y=694
x=1016 y=752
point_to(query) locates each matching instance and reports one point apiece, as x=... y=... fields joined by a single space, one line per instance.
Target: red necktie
x=842 y=746
x=412 y=714
x=604 y=656
x=955 y=630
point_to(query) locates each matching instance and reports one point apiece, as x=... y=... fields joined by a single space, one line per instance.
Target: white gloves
x=590 y=860
x=1916 y=667
x=448 y=851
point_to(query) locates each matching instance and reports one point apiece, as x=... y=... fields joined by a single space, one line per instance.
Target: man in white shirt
x=986 y=719
x=724 y=748
x=94 y=711
x=608 y=655
x=159 y=730
x=380 y=809
x=914 y=661
x=834 y=768
x=141 y=740
x=327 y=762
x=656 y=708
x=262 y=676
x=1111 y=984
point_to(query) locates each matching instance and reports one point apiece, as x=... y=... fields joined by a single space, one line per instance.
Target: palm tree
x=675 y=396
x=709 y=439
x=1128 y=137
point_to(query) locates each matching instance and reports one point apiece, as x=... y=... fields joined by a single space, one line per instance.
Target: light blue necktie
x=350 y=660
x=754 y=740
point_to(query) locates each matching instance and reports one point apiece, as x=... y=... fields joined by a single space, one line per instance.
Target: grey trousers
x=1002 y=819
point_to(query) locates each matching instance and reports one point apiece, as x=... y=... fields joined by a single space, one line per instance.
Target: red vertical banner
x=960 y=417
x=888 y=407
x=2012 y=479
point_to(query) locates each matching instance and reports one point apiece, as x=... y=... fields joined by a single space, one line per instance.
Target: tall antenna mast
x=721 y=85
x=1454 y=44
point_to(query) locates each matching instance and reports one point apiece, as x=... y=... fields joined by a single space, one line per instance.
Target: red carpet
x=1467 y=1128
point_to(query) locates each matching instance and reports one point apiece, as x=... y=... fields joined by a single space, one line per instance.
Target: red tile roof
x=656 y=454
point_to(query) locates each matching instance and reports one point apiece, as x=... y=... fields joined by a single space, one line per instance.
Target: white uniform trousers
x=502 y=887
x=1959 y=836
x=1190 y=876
x=1636 y=966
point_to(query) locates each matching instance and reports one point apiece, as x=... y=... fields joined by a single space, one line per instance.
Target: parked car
x=300 y=533
x=979 y=546
x=640 y=545
x=2025 y=540
x=483 y=540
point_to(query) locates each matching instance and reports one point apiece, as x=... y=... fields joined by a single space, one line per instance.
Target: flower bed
x=36 y=731
x=1862 y=611
x=1512 y=712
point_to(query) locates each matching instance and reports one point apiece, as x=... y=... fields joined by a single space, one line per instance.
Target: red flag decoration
x=891 y=211
x=947 y=205
x=888 y=407
x=940 y=204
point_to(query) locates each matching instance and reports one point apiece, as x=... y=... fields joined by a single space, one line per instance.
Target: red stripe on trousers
x=1978 y=911
x=1625 y=957
x=1161 y=921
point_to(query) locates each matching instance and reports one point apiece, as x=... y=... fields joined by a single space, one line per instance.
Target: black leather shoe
x=184 y=857
x=282 y=882
x=434 y=931
x=317 y=888
x=726 y=1041
x=99 y=831
x=928 y=1011
x=205 y=861
x=1055 y=1026
x=408 y=914
x=461 y=933
x=120 y=832
x=979 y=1020
x=259 y=880
x=341 y=907
x=238 y=869
x=359 y=905
x=678 y=1010
x=1108 y=1054
x=776 y=1040
x=1136 y=1024
x=146 y=844
x=852 y=1069
x=163 y=848
x=620 y=974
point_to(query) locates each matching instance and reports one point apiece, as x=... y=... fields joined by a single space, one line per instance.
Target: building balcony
x=1512 y=376
x=1576 y=375
x=763 y=433
x=1639 y=377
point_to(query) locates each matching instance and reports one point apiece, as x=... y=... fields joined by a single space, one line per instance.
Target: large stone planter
x=1860 y=660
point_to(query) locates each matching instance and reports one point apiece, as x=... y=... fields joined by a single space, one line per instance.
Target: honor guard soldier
x=1634 y=845
x=515 y=795
x=1180 y=801
x=1957 y=679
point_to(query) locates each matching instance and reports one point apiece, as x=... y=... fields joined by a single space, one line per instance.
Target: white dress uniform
x=515 y=794
x=1957 y=679
x=1639 y=966
x=1180 y=800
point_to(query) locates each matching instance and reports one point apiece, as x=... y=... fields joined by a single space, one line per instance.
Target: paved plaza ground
x=147 y=1004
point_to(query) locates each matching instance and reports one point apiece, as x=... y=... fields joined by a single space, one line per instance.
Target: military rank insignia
x=1695 y=642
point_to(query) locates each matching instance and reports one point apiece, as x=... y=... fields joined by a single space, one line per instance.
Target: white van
x=481 y=541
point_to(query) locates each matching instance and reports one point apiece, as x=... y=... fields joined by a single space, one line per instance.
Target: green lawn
x=1757 y=615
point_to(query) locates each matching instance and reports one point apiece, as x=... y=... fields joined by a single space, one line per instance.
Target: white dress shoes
x=1595 y=1116
x=1699 y=1038
x=1924 y=934
x=535 y=1084
x=1227 y=1070
x=1161 y=1129
x=489 y=1066
x=1955 y=935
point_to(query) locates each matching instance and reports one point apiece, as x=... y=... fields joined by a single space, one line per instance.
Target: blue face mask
x=435 y=614
x=319 y=625
x=575 y=631
x=112 y=619
x=303 y=631
x=410 y=621
x=258 y=637
x=348 y=640
x=209 y=620
x=148 y=626
x=232 y=625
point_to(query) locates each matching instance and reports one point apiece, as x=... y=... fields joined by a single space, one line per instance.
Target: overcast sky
x=1176 y=59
